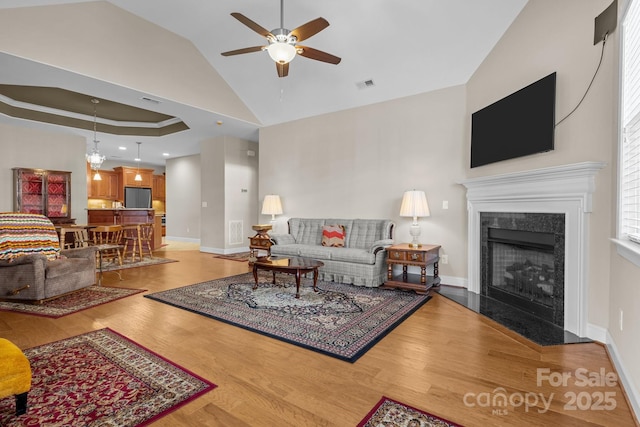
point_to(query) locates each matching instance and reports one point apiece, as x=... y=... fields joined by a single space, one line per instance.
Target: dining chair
x=108 y=240
x=79 y=237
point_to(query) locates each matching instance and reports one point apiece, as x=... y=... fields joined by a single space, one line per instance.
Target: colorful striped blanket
x=24 y=234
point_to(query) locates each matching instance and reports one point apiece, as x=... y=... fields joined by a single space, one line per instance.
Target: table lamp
x=414 y=204
x=272 y=206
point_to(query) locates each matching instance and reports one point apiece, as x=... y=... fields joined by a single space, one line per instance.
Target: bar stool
x=131 y=239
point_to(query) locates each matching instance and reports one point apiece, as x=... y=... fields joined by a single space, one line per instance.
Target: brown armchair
x=32 y=266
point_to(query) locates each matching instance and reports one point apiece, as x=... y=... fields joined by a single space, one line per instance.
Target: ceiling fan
x=283 y=47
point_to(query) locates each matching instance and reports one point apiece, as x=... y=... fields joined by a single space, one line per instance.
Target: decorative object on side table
x=414 y=204
x=261 y=241
x=406 y=255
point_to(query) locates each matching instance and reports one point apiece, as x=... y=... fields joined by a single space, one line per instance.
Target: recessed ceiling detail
x=72 y=109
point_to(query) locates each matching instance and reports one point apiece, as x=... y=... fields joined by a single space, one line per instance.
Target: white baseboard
x=222 y=251
x=597 y=333
x=629 y=387
x=182 y=239
x=460 y=282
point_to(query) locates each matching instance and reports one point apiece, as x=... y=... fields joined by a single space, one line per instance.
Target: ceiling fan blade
x=309 y=29
x=318 y=55
x=283 y=69
x=244 y=50
x=249 y=23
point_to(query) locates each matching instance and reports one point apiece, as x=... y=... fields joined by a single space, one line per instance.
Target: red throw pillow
x=333 y=235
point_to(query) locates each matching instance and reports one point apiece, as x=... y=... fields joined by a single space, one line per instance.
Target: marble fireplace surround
x=563 y=189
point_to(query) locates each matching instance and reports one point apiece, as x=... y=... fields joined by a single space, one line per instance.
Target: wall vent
x=235 y=232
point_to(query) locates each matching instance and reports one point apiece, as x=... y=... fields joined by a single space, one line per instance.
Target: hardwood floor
x=444 y=359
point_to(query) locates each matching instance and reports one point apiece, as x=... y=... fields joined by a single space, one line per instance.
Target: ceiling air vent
x=365 y=84
x=146 y=98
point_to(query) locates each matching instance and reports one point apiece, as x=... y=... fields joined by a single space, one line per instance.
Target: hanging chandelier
x=94 y=158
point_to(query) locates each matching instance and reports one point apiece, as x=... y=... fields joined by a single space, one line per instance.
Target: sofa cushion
x=288 y=250
x=333 y=235
x=25 y=234
x=67 y=266
x=357 y=256
x=366 y=231
x=315 y=252
x=306 y=231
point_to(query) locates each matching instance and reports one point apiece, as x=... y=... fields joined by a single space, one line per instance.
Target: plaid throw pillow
x=333 y=235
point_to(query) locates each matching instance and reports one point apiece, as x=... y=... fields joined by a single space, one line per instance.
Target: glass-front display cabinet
x=43 y=192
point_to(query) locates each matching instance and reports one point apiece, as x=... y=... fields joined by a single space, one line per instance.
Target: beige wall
x=29 y=148
x=183 y=198
x=357 y=164
x=226 y=171
x=557 y=36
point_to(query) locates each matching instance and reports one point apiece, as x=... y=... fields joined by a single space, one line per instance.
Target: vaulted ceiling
x=164 y=56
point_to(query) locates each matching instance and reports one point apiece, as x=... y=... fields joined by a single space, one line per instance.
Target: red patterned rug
x=83 y=299
x=389 y=412
x=101 y=379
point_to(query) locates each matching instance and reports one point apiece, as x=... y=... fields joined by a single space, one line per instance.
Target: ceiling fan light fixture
x=281 y=52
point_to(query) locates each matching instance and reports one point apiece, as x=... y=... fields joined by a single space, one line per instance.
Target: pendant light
x=138 y=177
x=94 y=158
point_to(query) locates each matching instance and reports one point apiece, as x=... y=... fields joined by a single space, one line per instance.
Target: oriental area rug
x=127 y=263
x=389 y=412
x=342 y=321
x=82 y=299
x=101 y=378
x=239 y=256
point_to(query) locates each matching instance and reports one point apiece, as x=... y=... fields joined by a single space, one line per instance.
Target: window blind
x=630 y=149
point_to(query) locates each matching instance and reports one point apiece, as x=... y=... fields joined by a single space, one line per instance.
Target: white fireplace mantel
x=564 y=189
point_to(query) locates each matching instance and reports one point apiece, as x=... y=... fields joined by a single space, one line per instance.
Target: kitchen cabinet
x=128 y=175
x=107 y=188
x=159 y=187
x=44 y=192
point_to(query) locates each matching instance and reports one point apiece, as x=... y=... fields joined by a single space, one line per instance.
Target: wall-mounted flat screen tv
x=518 y=125
x=135 y=197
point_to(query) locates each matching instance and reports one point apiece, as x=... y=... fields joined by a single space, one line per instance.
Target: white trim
x=182 y=239
x=628 y=250
x=459 y=282
x=633 y=395
x=564 y=189
x=222 y=251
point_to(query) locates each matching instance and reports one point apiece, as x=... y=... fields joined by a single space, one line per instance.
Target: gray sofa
x=362 y=260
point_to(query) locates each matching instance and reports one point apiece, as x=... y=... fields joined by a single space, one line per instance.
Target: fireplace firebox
x=523 y=262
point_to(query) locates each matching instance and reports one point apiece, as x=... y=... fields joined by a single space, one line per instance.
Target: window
x=629 y=169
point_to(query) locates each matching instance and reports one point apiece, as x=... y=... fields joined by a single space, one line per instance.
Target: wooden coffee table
x=290 y=265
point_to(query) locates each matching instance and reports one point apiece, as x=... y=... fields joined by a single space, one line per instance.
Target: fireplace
x=523 y=262
x=524 y=199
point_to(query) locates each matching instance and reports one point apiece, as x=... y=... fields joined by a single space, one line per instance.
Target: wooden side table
x=405 y=255
x=261 y=241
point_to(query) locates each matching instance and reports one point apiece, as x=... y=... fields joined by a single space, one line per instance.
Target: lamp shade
x=414 y=204
x=281 y=52
x=271 y=205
